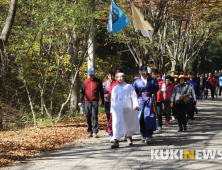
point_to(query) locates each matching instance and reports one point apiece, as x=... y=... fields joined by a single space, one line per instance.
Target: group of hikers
x=134 y=107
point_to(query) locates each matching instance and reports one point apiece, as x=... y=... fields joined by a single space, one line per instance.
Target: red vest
x=92 y=90
x=159 y=95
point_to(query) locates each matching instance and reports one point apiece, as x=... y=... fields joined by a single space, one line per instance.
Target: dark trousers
x=159 y=111
x=107 y=110
x=145 y=133
x=181 y=114
x=174 y=111
x=167 y=109
x=205 y=93
x=220 y=90
x=212 y=89
x=91 y=109
x=190 y=111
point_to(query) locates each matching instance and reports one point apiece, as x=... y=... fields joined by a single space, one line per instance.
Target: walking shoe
x=185 y=128
x=142 y=140
x=130 y=140
x=147 y=140
x=95 y=135
x=160 y=129
x=173 y=118
x=89 y=135
x=110 y=134
x=180 y=129
x=111 y=140
x=116 y=144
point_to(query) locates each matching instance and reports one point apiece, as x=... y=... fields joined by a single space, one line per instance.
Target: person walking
x=109 y=128
x=175 y=82
x=202 y=83
x=90 y=90
x=124 y=106
x=196 y=86
x=106 y=84
x=206 y=87
x=167 y=99
x=145 y=87
x=217 y=86
x=220 y=84
x=159 y=102
x=181 y=97
x=192 y=97
x=212 y=84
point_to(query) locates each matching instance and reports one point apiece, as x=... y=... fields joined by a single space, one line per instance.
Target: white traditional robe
x=125 y=119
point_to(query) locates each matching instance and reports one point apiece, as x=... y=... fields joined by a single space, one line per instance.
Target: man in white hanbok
x=124 y=104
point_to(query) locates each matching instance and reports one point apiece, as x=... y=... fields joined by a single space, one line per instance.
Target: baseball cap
x=91 y=71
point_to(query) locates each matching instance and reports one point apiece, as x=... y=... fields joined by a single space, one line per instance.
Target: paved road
x=205 y=132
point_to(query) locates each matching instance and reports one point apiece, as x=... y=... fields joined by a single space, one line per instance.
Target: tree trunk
x=9 y=22
x=163 y=63
x=156 y=63
x=74 y=95
x=75 y=92
x=1 y=46
x=173 y=65
x=1 y=124
x=42 y=104
x=30 y=101
x=140 y=62
x=54 y=85
x=68 y=98
x=198 y=63
x=185 y=67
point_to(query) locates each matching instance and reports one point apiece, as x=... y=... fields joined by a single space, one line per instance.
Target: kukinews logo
x=184 y=154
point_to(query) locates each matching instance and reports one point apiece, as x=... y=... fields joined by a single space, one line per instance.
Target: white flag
x=140 y=23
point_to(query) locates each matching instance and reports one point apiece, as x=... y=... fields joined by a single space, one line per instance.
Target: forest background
x=44 y=49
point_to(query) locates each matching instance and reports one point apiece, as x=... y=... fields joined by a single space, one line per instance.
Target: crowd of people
x=140 y=106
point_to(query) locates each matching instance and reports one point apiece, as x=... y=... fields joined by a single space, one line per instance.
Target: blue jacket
x=196 y=86
x=220 y=81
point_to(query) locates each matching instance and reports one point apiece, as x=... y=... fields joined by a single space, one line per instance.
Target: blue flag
x=117 y=19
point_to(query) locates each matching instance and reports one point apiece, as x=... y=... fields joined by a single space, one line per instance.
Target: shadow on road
x=205 y=132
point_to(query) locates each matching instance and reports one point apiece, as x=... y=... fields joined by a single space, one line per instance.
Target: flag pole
x=137 y=36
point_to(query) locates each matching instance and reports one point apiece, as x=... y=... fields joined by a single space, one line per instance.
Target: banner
x=117 y=19
x=140 y=23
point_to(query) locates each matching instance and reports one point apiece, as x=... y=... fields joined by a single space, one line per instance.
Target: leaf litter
x=26 y=143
